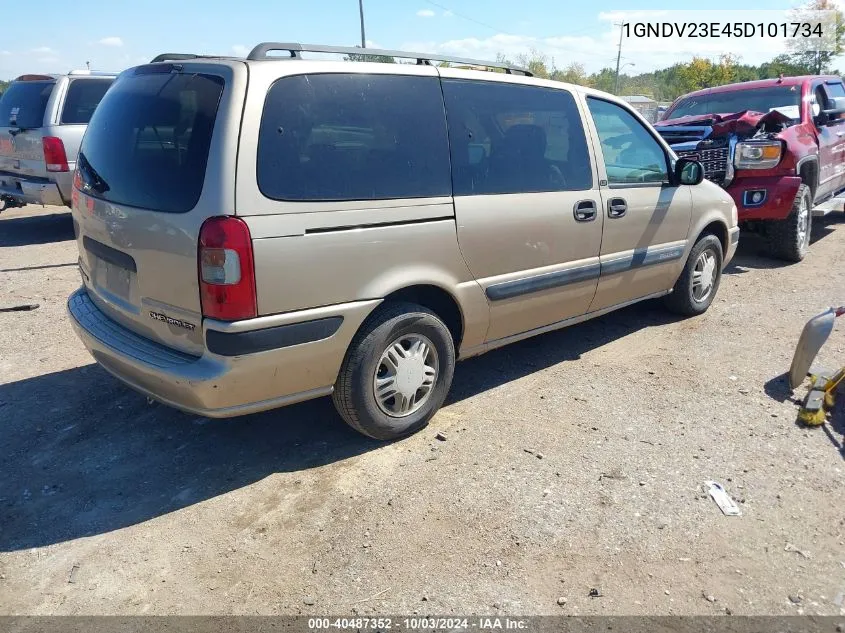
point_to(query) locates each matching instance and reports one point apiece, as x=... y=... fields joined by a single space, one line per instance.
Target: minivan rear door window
x=147 y=143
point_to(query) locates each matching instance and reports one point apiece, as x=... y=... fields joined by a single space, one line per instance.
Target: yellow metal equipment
x=823 y=384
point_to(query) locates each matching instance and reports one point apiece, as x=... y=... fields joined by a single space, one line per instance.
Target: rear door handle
x=616 y=208
x=585 y=210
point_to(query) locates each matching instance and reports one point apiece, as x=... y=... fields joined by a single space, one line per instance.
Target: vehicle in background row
x=42 y=121
x=358 y=226
x=776 y=145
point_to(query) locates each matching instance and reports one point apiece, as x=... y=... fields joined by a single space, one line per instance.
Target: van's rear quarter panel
x=333 y=266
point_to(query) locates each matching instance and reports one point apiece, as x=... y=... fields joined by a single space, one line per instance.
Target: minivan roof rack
x=173 y=57
x=181 y=57
x=294 y=49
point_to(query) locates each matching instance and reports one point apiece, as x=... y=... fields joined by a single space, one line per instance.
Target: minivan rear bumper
x=221 y=386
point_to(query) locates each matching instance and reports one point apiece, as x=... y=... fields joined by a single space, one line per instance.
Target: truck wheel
x=790 y=238
x=696 y=287
x=397 y=372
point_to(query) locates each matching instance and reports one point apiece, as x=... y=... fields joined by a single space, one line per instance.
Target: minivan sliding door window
x=513 y=138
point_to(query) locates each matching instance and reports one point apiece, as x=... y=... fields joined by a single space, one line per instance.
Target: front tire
x=396 y=373
x=790 y=238
x=699 y=281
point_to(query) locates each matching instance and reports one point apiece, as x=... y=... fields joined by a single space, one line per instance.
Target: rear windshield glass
x=82 y=98
x=783 y=98
x=147 y=143
x=24 y=102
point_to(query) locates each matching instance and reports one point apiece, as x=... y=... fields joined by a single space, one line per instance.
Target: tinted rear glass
x=24 y=102
x=82 y=98
x=511 y=138
x=353 y=137
x=147 y=143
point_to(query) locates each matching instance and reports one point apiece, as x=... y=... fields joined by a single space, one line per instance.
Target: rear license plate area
x=112 y=279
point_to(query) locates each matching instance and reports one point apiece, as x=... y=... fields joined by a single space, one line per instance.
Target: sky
x=116 y=35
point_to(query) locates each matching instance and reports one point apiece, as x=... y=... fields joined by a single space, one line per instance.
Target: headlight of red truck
x=758 y=154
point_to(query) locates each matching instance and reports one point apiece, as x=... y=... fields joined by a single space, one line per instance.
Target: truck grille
x=715 y=162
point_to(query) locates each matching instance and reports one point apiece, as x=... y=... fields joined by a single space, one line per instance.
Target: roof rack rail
x=294 y=50
x=183 y=57
x=173 y=57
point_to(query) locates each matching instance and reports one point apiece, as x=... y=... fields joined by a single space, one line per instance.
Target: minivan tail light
x=226 y=270
x=54 y=154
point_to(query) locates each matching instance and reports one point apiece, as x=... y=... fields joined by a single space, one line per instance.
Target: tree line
x=661 y=85
x=668 y=83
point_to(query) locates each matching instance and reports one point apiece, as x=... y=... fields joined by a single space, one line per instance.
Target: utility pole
x=361 y=11
x=618 y=58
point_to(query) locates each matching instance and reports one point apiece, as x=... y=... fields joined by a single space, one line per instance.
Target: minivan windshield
x=147 y=143
x=24 y=103
x=785 y=99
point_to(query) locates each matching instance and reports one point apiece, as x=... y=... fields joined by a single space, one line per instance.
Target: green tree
x=538 y=64
x=785 y=65
x=574 y=73
x=603 y=80
x=363 y=57
x=703 y=73
x=808 y=53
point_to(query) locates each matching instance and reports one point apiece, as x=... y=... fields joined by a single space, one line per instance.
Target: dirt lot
x=572 y=461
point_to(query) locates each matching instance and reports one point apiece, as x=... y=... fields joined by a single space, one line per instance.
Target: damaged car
x=776 y=145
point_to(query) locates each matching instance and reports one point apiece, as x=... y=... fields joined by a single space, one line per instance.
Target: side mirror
x=688 y=171
x=832 y=115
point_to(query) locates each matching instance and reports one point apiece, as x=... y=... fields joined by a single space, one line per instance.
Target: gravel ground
x=572 y=461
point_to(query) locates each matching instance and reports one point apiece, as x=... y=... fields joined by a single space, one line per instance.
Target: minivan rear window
x=24 y=103
x=148 y=141
x=353 y=137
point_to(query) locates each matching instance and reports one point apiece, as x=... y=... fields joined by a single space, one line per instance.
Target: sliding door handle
x=585 y=211
x=616 y=208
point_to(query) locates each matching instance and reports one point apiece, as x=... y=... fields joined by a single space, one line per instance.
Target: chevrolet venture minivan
x=256 y=232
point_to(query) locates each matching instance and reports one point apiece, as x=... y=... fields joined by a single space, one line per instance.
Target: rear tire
x=699 y=281
x=790 y=238
x=396 y=373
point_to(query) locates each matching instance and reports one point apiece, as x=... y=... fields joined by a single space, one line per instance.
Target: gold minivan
x=256 y=232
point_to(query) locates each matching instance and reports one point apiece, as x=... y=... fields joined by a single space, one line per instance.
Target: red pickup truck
x=776 y=145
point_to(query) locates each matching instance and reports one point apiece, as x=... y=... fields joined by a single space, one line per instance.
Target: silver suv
x=42 y=121
x=256 y=232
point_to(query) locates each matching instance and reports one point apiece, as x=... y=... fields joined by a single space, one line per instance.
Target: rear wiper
x=92 y=179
